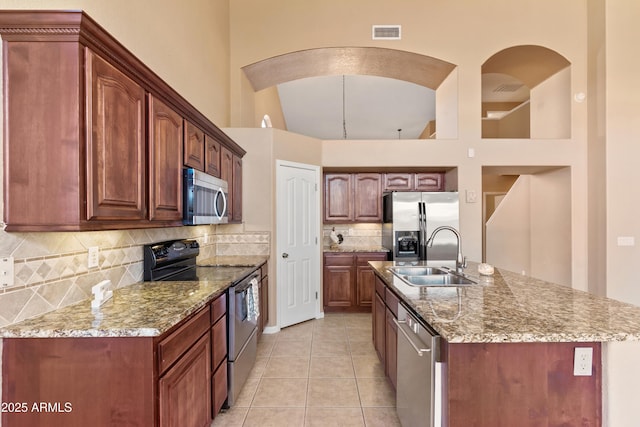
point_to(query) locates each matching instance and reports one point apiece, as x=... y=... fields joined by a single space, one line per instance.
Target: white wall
x=551 y=107
x=622 y=133
x=530 y=231
x=551 y=226
x=508 y=231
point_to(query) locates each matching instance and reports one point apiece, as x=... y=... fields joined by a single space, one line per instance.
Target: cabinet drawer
x=392 y=302
x=219 y=388
x=218 y=308
x=219 y=342
x=364 y=259
x=380 y=287
x=339 y=259
x=171 y=348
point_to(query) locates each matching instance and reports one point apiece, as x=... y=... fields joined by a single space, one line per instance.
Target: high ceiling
x=356 y=107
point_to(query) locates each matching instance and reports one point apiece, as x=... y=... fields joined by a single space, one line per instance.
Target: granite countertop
x=342 y=248
x=508 y=307
x=144 y=309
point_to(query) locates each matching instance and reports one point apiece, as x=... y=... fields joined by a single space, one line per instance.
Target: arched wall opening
x=432 y=73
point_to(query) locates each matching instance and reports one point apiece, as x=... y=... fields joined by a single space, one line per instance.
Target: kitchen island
x=508 y=344
x=131 y=361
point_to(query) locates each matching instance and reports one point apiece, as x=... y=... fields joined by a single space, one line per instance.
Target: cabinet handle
x=285 y=255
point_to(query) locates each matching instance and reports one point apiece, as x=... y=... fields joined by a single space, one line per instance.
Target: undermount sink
x=438 y=280
x=429 y=276
x=417 y=271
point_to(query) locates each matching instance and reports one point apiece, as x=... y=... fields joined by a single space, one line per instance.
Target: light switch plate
x=471 y=196
x=6 y=272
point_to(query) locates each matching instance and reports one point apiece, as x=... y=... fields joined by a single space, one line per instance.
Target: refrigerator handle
x=422 y=225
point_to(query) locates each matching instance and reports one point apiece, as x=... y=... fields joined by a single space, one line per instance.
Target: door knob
x=285 y=255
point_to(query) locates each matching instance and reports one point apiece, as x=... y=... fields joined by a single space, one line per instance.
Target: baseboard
x=320 y=315
x=271 y=330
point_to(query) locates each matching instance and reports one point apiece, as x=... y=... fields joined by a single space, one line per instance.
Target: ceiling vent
x=386 y=32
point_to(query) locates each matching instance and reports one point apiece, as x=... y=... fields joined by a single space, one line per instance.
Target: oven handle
x=420 y=351
x=244 y=286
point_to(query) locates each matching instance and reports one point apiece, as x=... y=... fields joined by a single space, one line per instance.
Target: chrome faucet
x=461 y=261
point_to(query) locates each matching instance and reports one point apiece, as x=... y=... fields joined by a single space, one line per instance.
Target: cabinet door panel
x=115 y=143
x=429 y=182
x=219 y=388
x=193 y=146
x=379 y=328
x=367 y=189
x=391 y=349
x=212 y=156
x=338 y=286
x=236 y=190
x=366 y=285
x=338 y=197
x=398 y=181
x=165 y=162
x=226 y=174
x=185 y=390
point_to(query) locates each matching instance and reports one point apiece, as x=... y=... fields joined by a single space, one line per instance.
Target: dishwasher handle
x=400 y=324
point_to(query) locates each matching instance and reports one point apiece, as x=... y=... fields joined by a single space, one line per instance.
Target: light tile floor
x=323 y=372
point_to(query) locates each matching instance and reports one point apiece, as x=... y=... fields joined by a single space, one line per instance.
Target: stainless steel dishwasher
x=419 y=387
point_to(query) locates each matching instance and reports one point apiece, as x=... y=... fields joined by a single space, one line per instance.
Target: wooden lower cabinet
x=348 y=281
x=385 y=331
x=263 y=320
x=218 y=356
x=185 y=390
x=391 y=348
x=520 y=384
x=177 y=379
x=501 y=384
x=379 y=330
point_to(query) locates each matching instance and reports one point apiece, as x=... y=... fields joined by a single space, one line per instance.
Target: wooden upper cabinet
x=165 y=162
x=338 y=197
x=429 y=182
x=413 y=181
x=193 y=146
x=236 y=190
x=212 y=156
x=83 y=150
x=367 y=190
x=352 y=197
x=398 y=181
x=226 y=174
x=115 y=143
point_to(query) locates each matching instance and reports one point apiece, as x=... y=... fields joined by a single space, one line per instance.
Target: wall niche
x=526 y=93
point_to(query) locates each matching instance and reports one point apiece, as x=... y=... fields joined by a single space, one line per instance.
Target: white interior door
x=298 y=242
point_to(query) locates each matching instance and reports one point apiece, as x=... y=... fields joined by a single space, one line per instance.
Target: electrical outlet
x=582 y=361
x=94 y=257
x=6 y=272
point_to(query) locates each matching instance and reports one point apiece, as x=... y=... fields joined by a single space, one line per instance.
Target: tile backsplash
x=360 y=235
x=50 y=269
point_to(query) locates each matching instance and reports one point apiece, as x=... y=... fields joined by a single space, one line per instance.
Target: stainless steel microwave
x=205 y=198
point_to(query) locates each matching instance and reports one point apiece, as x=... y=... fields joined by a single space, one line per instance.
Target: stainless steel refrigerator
x=409 y=219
